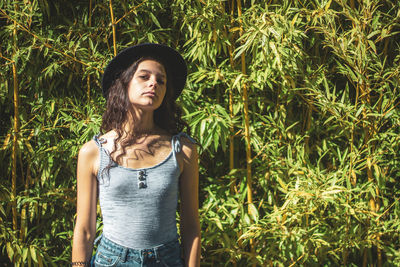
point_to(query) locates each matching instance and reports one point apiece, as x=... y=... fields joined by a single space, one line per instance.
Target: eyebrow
x=148 y=71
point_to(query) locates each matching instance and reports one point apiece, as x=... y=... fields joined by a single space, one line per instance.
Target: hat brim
x=171 y=59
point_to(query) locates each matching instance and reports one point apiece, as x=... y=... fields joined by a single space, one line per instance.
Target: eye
x=144 y=77
x=161 y=82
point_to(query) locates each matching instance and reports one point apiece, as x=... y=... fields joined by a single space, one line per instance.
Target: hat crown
x=172 y=60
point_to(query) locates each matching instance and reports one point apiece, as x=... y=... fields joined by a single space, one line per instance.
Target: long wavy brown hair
x=167 y=116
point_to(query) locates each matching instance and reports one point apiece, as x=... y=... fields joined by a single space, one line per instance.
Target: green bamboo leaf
x=253 y=212
x=10 y=250
x=33 y=253
x=216 y=135
x=203 y=126
x=246 y=219
x=372 y=45
x=154 y=19
x=25 y=252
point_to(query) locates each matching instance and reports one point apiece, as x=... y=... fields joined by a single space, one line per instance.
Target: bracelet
x=80 y=263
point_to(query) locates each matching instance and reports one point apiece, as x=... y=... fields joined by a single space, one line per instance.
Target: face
x=147 y=88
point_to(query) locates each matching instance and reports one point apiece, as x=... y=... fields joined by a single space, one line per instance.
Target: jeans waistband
x=125 y=251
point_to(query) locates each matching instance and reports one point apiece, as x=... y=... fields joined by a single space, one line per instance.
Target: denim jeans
x=111 y=254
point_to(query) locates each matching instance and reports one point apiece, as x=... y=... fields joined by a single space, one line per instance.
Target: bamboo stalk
x=14 y=149
x=129 y=12
x=365 y=100
x=247 y=136
x=368 y=128
x=352 y=4
x=231 y=137
x=231 y=48
x=15 y=136
x=90 y=13
x=90 y=25
x=246 y=130
x=385 y=47
x=246 y=117
x=353 y=181
x=365 y=258
x=88 y=87
x=113 y=29
x=24 y=211
x=308 y=126
x=379 y=251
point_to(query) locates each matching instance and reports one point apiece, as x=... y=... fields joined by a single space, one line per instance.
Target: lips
x=149 y=93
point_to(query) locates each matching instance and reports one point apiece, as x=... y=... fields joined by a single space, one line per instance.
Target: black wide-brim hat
x=173 y=62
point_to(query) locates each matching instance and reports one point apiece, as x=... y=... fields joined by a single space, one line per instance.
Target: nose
x=153 y=81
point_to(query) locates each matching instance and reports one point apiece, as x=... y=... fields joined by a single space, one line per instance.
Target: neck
x=140 y=120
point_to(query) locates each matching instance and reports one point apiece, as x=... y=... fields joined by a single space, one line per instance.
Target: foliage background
x=296 y=105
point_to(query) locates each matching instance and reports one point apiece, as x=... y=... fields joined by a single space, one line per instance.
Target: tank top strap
x=176 y=141
x=98 y=141
x=104 y=159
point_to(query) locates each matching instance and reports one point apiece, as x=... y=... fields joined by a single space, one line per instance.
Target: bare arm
x=190 y=225
x=85 y=227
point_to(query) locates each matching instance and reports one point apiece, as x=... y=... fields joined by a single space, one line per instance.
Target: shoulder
x=187 y=154
x=188 y=146
x=88 y=158
x=189 y=164
x=189 y=149
x=89 y=149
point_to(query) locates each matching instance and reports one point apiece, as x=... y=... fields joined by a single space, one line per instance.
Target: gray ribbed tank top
x=138 y=206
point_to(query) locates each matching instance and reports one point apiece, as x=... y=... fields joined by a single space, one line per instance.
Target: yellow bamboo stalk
x=246 y=130
x=365 y=258
x=129 y=12
x=15 y=148
x=113 y=29
x=364 y=90
x=379 y=251
x=231 y=130
x=231 y=137
x=15 y=135
x=352 y=4
x=90 y=13
x=246 y=117
x=88 y=87
x=353 y=179
x=24 y=211
x=308 y=126
x=369 y=130
x=247 y=136
x=90 y=25
x=365 y=99
x=231 y=48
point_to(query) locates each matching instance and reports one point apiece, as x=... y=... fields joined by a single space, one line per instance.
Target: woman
x=139 y=167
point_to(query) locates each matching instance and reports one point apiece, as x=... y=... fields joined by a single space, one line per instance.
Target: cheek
x=131 y=96
x=132 y=92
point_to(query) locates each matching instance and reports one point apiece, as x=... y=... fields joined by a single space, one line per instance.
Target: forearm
x=191 y=245
x=82 y=246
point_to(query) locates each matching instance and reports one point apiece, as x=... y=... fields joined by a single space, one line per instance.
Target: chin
x=151 y=107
